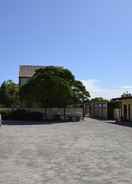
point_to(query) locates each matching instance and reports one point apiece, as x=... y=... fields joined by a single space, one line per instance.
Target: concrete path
x=88 y=152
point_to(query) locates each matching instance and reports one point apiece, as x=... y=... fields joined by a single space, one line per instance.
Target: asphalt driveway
x=87 y=152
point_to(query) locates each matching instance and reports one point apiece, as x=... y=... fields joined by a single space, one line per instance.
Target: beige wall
x=117 y=114
x=127 y=102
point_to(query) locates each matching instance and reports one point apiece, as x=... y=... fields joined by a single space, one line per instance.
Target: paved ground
x=89 y=152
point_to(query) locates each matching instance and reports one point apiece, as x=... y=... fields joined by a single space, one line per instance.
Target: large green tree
x=54 y=87
x=9 y=94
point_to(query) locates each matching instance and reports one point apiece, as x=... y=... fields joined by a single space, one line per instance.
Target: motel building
x=125 y=107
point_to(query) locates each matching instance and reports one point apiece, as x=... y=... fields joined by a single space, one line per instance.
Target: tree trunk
x=64 y=113
x=83 y=110
x=46 y=117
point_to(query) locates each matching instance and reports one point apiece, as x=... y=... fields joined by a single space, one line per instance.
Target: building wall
x=26 y=72
x=117 y=114
x=128 y=104
x=99 y=110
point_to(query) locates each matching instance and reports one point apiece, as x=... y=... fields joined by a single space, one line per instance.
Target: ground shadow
x=34 y=122
x=121 y=123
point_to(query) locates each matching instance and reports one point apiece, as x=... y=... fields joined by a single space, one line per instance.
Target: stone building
x=125 y=107
x=101 y=110
x=26 y=72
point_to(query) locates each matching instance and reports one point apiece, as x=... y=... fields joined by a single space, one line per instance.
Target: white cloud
x=95 y=89
x=127 y=88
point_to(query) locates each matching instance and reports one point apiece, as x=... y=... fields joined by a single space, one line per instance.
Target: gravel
x=86 y=152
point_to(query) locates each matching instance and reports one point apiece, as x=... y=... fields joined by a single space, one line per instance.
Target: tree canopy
x=80 y=94
x=54 y=87
x=126 y=94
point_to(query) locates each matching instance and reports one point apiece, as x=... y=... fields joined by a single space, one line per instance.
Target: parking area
x=86 y=152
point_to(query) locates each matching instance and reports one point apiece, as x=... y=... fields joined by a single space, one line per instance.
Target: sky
x=93 y=38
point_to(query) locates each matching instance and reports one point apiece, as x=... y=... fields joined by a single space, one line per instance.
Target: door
x=129 y=112
x=125 y=112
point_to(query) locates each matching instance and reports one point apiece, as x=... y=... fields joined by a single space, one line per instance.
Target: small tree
x=9 y=94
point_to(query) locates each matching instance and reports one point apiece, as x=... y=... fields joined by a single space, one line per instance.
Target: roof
x=28 y=70
x=122 y=98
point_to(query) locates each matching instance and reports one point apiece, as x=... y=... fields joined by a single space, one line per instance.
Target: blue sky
x=93 y=38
